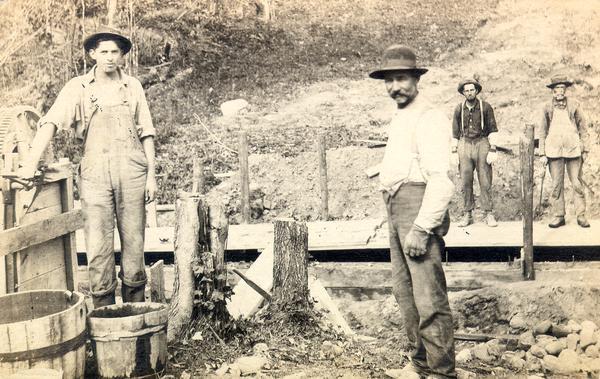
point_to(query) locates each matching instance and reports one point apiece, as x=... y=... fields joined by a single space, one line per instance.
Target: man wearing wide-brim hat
x=417 y=190
x=107 y=111
x=564 y=145
x=473 y=131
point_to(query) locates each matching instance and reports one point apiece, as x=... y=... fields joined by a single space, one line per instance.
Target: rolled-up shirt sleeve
x=143 y=118
x=433 y=144
x=65 y=109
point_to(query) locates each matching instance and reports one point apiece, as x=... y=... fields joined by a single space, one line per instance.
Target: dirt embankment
x=514 y=53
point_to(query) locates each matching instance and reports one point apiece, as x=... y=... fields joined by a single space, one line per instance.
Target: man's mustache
x=400 y=93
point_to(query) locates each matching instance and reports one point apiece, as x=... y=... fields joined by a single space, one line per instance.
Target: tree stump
x=187 y=229
x=290 y=266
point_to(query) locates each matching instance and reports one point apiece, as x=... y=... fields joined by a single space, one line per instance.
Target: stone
x=563 y=341
x=464 y=374
x=560 y=331
x=532 y=363
x=185 y=375
x=296 y=375
x=574 y=326
x=233 y=107
x=234 y=370
x=542 y=340
x=551 y=363
x=495 y=347
x=463 y=356
x=572 y=341
x=221 y=371
x=261 y=349
x=538 y=351
x=593 y=365
x=554 y=348
x=592 y=351
x=481 y=352
x=251 y=364
x=587 y=337
x=569 y=361
x=513 y=361
x=589 y=325
x=331 y=350
x=542 y=327
x=526 y=339
x=197 y=336
x=405 y=373
x=518 y=322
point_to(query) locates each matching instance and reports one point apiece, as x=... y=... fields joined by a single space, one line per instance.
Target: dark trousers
x=557 y=168
x=419 y=286
x=472 y=154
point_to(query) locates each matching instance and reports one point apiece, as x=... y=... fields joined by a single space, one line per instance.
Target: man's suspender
x=462 y=119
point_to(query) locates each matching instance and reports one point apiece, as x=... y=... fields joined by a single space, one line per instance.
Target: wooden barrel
x=129 y=340
x=43 y=329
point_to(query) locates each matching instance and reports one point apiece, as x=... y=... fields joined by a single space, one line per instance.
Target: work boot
x=557 y=222
x=583 y=222
x=133 y=294
x=491 y=220
x=466 y=220
x=107 y=299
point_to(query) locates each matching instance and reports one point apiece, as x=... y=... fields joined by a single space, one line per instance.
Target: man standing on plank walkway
x=473 y=148
x=417 y=191
x=108 y=112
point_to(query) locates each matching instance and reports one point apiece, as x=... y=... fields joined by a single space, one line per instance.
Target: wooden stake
x=526 y=148
x=244 y=177
x=157 y=282
x=187 y=231
x=218 y=229
x=197 y=176
x=322 y=149
x=290 y=265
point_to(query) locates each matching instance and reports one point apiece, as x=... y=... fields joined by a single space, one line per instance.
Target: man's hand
x=415 y=243
x=151 y=188
x=544 y=160
x=491 y=157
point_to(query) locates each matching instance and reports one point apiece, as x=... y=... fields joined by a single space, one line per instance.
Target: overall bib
x=113 y=181
x=563 y=149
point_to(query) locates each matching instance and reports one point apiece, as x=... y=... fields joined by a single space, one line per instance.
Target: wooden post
x=197 y=176
x=290 y=265
x=187 y=231
x=322 y=149
x=157 y=282
x=526 y=147
x=244 y=177
x=218 y=230
x=70 y=246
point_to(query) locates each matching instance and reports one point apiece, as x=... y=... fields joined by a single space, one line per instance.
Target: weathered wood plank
x=157 y=282
x=22 y=237
x=69 y=240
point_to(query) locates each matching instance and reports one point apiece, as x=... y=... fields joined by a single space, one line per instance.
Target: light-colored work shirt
x=77 y=104
x=418 y=150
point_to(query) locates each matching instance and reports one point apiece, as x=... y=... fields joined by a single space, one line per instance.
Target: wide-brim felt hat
x=397 y=58
x=110 y=33
x=556 y=80
x=463 y=83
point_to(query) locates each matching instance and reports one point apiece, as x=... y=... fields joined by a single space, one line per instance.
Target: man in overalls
x=417 y=190
x=564 y=143
x=473 y=147
x=108 y=112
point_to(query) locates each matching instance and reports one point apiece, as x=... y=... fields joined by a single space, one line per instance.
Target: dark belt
x=473 y=139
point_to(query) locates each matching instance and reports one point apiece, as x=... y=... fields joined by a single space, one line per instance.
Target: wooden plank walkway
x=373 y=234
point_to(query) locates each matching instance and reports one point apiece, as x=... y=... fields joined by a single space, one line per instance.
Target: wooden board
x=373 y=234
x=24 y=236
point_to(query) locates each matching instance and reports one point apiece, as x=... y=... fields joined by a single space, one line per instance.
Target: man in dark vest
x=564 y=144
x=473 y=147
x=107 y=111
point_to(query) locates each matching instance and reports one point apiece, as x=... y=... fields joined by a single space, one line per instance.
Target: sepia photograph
x=300 y=189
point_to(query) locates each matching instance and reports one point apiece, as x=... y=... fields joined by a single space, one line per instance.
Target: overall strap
x=481 y=113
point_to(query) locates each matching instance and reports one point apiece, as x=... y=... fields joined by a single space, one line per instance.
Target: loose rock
x=233 y=107
x=464 y=374
x=538 y=351
x=406 y=372
x=526 y=340
x=250 y=365
x=542 y=340
x=587 y=337
x=495 y=347
x=542 y=327
x=560 y=331
x=532 y=363
x=513 y=361
x=592 y=351
x=554 y=347
x=464 y=356
x=481 y=352
x=574 y=326
x=572 y=341
x=518 y=322
x=589 y=325
x=261 y=349
x=569 y=361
